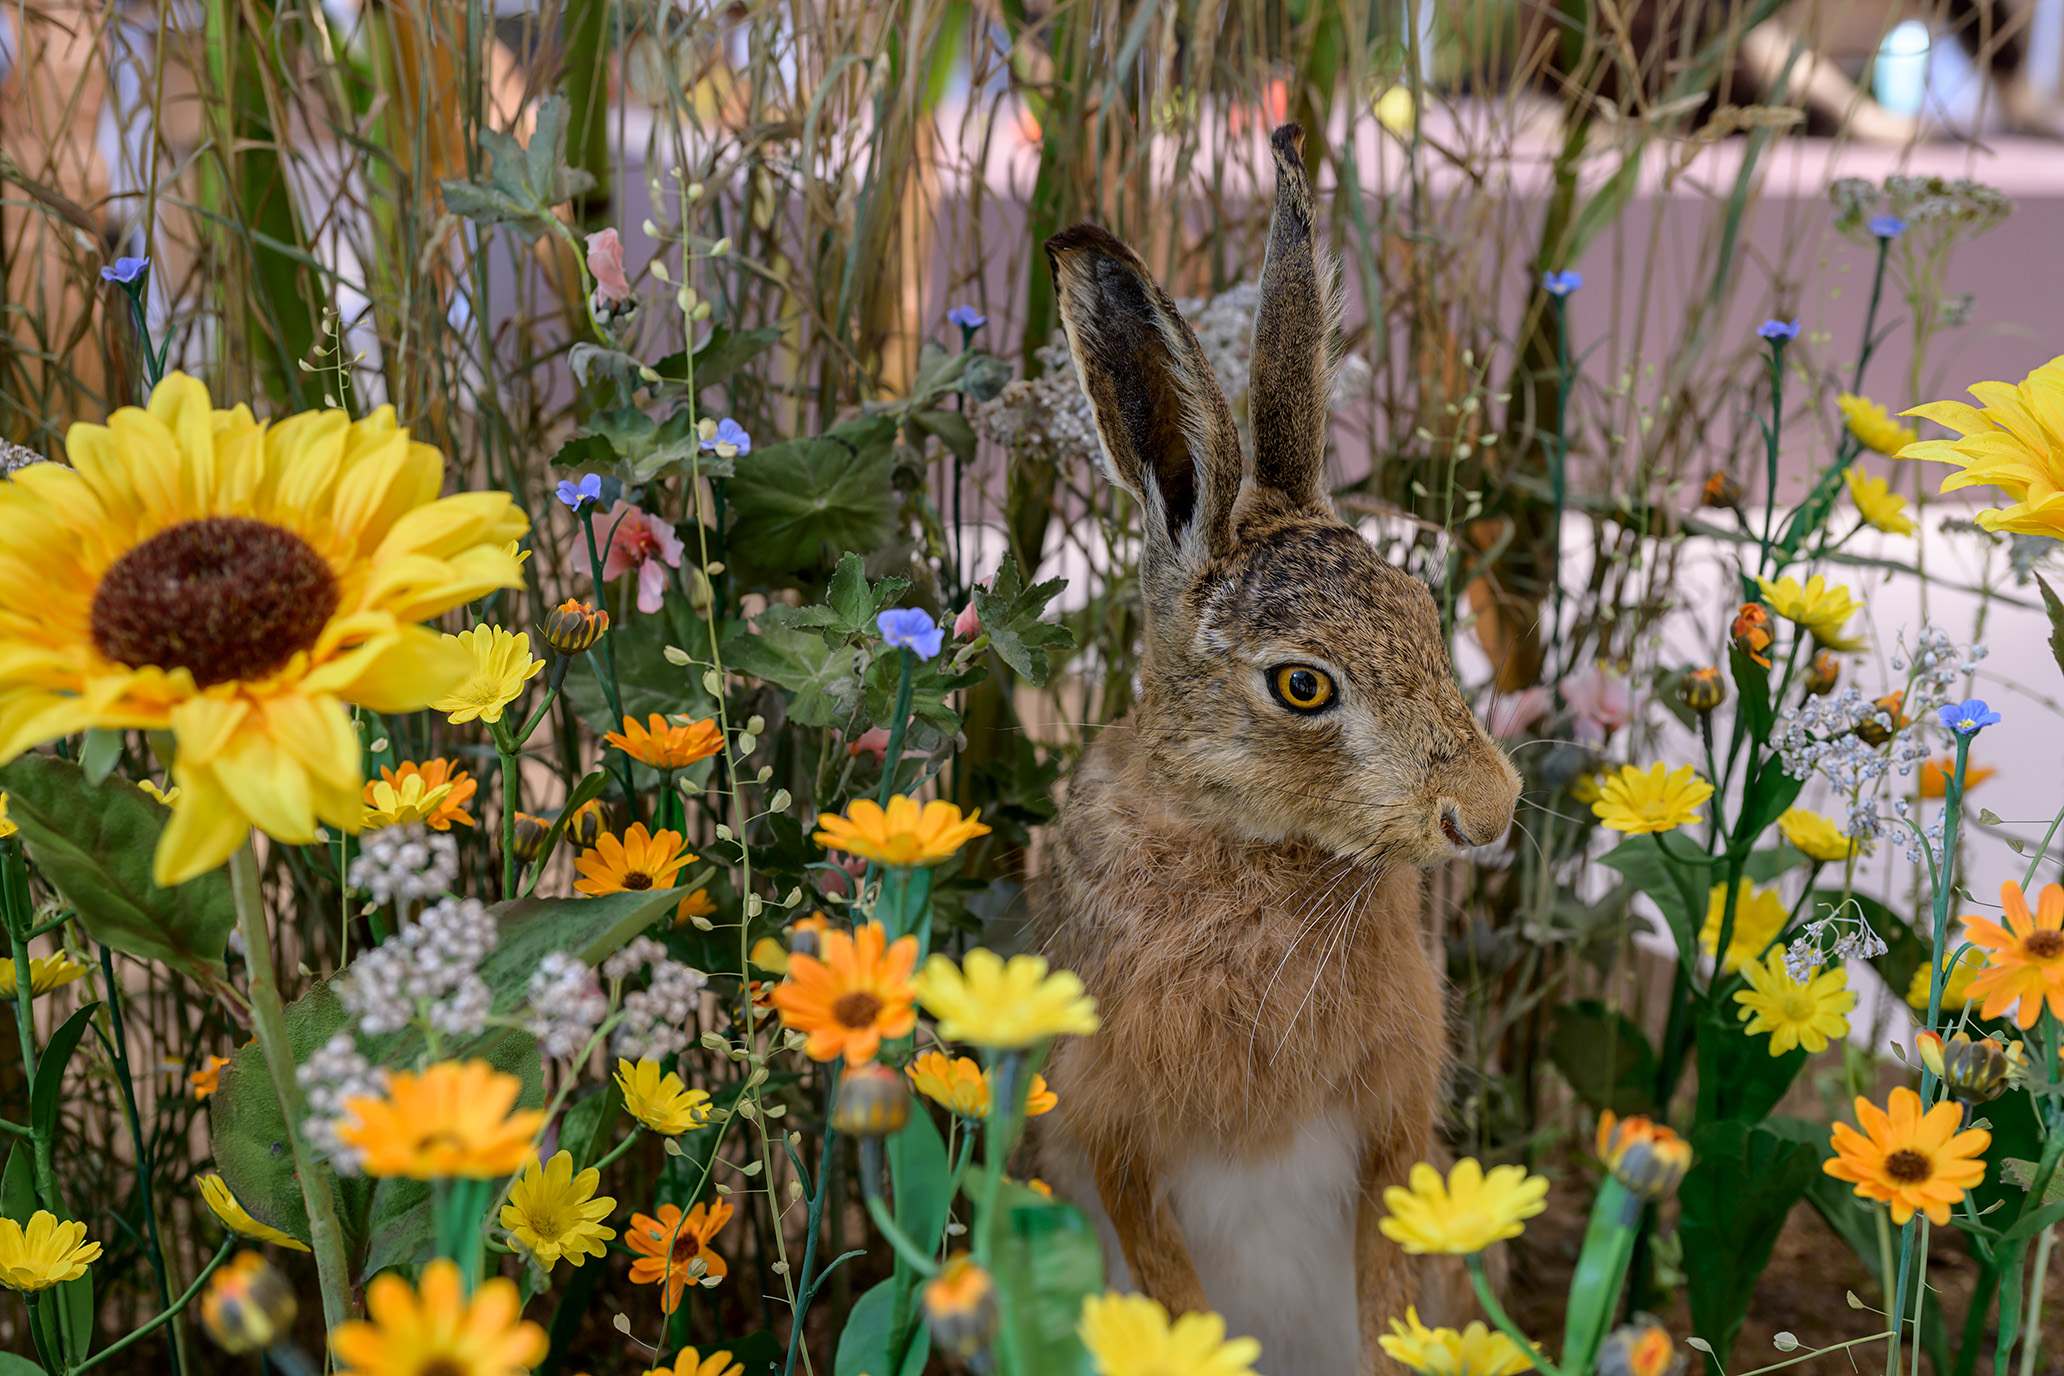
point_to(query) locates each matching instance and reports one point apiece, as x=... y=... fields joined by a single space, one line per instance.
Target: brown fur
x=1236 y=882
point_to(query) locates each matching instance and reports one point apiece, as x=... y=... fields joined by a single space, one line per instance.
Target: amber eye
x=1301 y=687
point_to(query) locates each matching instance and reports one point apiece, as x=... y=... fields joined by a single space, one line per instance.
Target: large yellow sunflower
x=2013 y=440
x=239 y=585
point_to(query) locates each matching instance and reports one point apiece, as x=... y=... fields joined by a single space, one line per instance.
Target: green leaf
x=585 y=451
x=1047 y=1261
x=824 y=679
x=521 y=183
x=858 y=602
x=863 y=1346
x=720 y=356
x=592 y=364
x=1745 y=1180
x=102 y=753
x=933 y=720
x=951 y=429
x=2054 y=608
x=1010 y=615
x=1752 y=694
x=1738 y=1077
x=1679 y=884
x=651 y=447
x=800 y=503
x=18 y=1184
x=2021 y=1174
x=94 y=843
x=1766 y=799
x=1762 y=866
x=924 y=1195
x=48 y=1094
x=1604 y=1056
x=12 y=1364
x=1605 y=204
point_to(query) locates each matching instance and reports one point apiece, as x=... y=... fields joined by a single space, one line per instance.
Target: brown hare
x=1235 y=872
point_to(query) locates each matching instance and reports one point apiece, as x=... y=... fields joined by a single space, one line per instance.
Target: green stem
x=14 y=894
x=1502 y=1321
x=906 y=686
x=1558 y=457
x=620 y=1148
x=269 y=1023
x=512 y=798
x=170 y=1312
x=878 y=1209
x=1777 y=348
x=1952 y=807
x=118 y=1048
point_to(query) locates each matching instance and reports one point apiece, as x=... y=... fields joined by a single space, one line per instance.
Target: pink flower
x=1602 y=701
x=968 y=624
x=605 y=264
x=840 y=880
x=1511 y=715
x=874 y=741
x=640 y=543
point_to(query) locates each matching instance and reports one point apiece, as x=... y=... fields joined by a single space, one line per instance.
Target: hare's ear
x=1290 y=376
x=1165 y=425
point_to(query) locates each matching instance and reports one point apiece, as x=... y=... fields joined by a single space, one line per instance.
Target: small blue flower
x=912 y=629
x=1774 y=330
x=588 y=489
x=729 y=432
x=967 y=317
x=1887 y=226
x=1968 y=718
x=125 y=271
x=1561 y=283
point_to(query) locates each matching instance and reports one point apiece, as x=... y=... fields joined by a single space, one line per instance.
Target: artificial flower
x=853 y=998
x=574 y=495
x=573 y=627
x=967 y=317
x=1974 y=1070
x=1759 y=915
x=1602 y=701
x=1818 y=608
x=1874 y=428
x=960 y=1307
x=554 y=1212
x=436 y=774
x=502 y=664
x=664 y=745
x=1465 y=1213
x=2013 y=440
x=45 y=973
x=694 y=905
x=1132 y=1335
x=1816 y=836
x=1914 y=1161
x=1967 y=718
x=636 y=542
x=690 y=1362
x=658 y=1099
x=639 y=861
x=605 y=265
x=1750 y=632
x=1639 y=801
x=1475 y=1351
x=912 y=629
x=452 y=1120
x=1778 y=331
x=242 y=587
x=725 y=438
x=7 y=828
x=1793 y=1013
x=669 y=1246
x=2026 y=963
x=988 y=1002
x=1956 y=986
x=394 y=803
x=165 y=796
x=1640 y=1347
x=1877 y=503
x=125 y=272
x=238 y=1219
x=960 y=1085
x=1935 y=775
x=903 y=834
x=433 y=1329
x=1647 y=1158
x=1561 y=283
x=45 y=1253
x=248 y=1305
x=208 y=1079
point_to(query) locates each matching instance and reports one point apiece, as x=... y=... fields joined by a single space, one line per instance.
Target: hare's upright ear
x=1290 y=374
x=1164 y=422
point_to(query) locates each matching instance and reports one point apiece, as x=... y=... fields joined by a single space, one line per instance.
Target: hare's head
x=1294 y=684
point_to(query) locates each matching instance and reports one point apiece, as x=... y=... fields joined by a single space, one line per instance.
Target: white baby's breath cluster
x=1841 y=934
x=407 y=862
x=329 y=1079
x=566 y=1004
x=431 y=968
x=655 y=1018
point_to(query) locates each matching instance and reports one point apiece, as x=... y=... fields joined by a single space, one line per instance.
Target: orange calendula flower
x=666 y=746
x=208 y=1078
x=1914 y=1161
x=2027 y=955
x=852 y=998
x=435 y=1328
x=1751 y=632
x=901 y=834
x=454 y=1120
x=1935 y=775
x=669 y=1246
x=639 y=861
x=435 y=774
x=961 y=1085
x=694 y=905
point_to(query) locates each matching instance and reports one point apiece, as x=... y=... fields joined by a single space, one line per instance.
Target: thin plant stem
x=2031 y=1326
x=165 y=1316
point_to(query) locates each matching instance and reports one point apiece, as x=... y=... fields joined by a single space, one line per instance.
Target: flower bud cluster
x=407 y=862
x=333 y=1076
x=566 y=1004
x=655 y=1018
x=431 y=967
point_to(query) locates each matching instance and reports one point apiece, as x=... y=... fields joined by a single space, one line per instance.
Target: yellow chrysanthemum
x=658 y=1099
x=1956 y=987
x=500 y=665
x=47 y=1252
x=413 y=1331
x=1877 y=503
x=237 y=1218
x=413 y=799
x=459 y=788
x=1815 y=606
x=1638 y=801
x=455 y=1119
x=904 y=834
x=961 y=1086
x=239 y=585
x=1817 y=836
x=553 y=1212
x=7 y=828
x=1759 y=915
x=1475 y=1351
x=1132 y=1335
x=690 y=1362
x=989 y=1003
x=1873 y=425
x=1464 y=1214
x=45 y=973
x=1794 y=1014
x=2012 y=440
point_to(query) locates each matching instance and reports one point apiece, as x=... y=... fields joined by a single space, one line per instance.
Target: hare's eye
x=1300 y=687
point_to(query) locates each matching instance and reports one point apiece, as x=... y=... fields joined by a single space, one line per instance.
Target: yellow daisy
x=640 y=860
x=240 y=586
x=47 y=1252
x=1873 y=425
x=1639 y=801
x=452 y=1120
x=1475 y=1351
x=554 y=1213
x=1464 y=1214
x=500 y=665
x=989 y=1003
x=459 y=785
x=659 y=1100
x=1815 y=606
x=961 y=1086
x=7 y=828
x=904 y=834
x=690 y=1362
x=1131 y=1335
x=45 y=973
x=1817 y=836
x=1877 y=503
x=1956 y=989
x=166 y=797
x=237 y=1218
x=410 y=1331
x=2013 y=440
x=1759 y=915
x=1794 y=1014
x=412 y=799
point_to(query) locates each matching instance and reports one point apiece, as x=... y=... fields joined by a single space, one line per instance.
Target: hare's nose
x=1451 y=827
x=1466 y=829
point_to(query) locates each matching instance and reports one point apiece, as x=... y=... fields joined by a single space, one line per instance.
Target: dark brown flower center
x=687 y=1246
x=856 y=1009
x=444 y=1366
x=226 y=597
x=1908 y=1166
x=637 y=880
x=2044 y=944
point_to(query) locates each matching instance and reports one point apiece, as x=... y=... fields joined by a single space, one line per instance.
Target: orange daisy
x=854 y=996
x=208 y=1078
x=454 y=1120
x=640 y=860
x=434 y=774
x=1914 y=1161
x=667 y=1246
x=1935 y=775
x=666 y=746
x=2027 y=960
